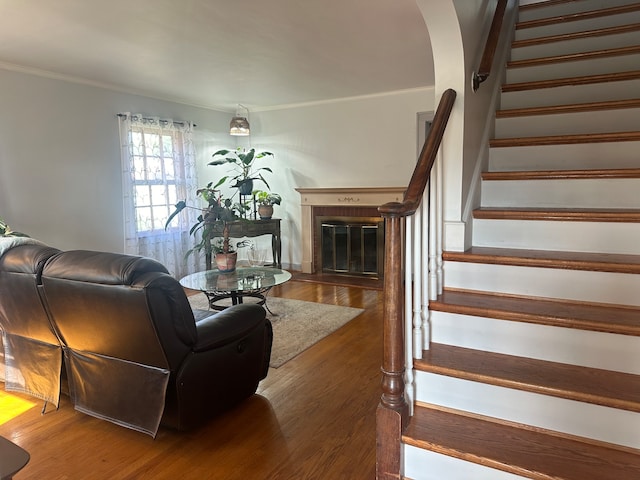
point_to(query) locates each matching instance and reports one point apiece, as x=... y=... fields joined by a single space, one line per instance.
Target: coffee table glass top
x=242 y=280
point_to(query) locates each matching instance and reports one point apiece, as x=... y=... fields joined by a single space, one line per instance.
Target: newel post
x=393 y=412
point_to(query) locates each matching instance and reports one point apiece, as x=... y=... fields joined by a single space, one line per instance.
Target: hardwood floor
x=312 y=418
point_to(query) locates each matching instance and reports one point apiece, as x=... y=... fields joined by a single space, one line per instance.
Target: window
x=156 y=156
x=158 y=160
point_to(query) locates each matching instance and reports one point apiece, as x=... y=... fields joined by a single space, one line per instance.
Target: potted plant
x=219 y=211
x=5 y=230
x=243 y=166
x=266 y=201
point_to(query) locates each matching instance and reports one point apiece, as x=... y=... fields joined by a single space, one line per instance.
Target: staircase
x=534 y=369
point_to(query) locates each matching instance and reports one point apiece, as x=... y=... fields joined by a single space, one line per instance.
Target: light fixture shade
x=239 y=126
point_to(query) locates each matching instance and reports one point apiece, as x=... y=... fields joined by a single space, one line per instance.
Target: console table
x=253 y=228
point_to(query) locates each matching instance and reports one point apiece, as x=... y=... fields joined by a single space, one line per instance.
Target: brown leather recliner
x=134 y=352
x=30 y=348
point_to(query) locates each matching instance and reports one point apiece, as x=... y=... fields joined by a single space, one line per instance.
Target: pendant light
x=239 y=125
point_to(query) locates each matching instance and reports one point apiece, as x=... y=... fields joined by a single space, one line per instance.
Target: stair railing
x=484 y=70
x=417 y=220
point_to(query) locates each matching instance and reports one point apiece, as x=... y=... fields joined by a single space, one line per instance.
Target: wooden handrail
x=418 y=182
x=490 y=46
x=393 y=412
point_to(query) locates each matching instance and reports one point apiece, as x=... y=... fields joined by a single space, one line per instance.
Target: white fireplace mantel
x=343 y=197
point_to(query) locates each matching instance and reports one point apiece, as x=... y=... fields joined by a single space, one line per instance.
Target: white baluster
x=408 y=317
x=417 y=285
x=438 y=232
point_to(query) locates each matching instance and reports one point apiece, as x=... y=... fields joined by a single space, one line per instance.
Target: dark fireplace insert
x=350 y=245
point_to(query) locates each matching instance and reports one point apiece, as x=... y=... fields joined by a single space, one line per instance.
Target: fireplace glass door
x=353 y=246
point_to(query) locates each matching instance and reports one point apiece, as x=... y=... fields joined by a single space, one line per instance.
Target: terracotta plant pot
x=265 y=212
x=226 y=262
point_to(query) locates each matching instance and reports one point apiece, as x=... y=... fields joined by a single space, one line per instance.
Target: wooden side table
x=253 y=228
x=12 y=459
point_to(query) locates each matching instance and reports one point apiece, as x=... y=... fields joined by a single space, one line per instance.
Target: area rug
x=297 y=325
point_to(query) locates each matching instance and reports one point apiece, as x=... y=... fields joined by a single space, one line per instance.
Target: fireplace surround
x=337 y=203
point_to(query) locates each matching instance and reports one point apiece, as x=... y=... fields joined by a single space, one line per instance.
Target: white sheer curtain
x=158 y=161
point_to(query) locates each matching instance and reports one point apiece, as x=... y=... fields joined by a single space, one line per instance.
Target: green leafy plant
x=219 y=211
x=5 y=230
x=267 y=198
x=244 y=170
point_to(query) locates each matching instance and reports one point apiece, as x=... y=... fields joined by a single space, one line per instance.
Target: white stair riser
x=576 y=68
x=427 y=465
x=578 y=25
x=565 y=157
x=587 y=44
x=555 y=344
x=575 y=418
x=568 y=8
x=578 y=193
x=611 y=237
x=599 y=287
x=602 y=121
x=545 y=97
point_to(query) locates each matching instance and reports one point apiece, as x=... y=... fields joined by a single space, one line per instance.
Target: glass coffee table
x=243 y=282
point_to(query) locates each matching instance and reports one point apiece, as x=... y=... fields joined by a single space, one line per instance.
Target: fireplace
x=350 y=245
x=352 y=215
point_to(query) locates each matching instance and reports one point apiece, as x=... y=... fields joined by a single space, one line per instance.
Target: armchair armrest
x=230 y=324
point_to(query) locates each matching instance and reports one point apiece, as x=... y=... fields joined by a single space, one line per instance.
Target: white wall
x=60 y=169
x=60 y=159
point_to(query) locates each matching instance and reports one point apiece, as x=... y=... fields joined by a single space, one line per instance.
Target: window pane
x=139 y=169
x=154 y=169
x=167 y=145
x=158 y=195
x=143 y=196
x=137 y=143
x=152 y=144
x=172 y=191
x=160 y=215
x=169 y=171
x=144 y=221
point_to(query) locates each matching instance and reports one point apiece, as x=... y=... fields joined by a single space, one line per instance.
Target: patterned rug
x=297 y=325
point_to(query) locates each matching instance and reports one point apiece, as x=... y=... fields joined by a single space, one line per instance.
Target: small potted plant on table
x=266 y=201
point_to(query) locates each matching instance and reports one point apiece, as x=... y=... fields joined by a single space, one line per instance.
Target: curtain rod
x=150 y=118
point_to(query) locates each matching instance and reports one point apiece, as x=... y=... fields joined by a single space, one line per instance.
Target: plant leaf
x=181 y=205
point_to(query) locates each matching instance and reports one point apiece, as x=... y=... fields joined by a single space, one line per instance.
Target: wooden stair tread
x=601 y=262
x=581 y=138
x=583 y=384
x=569 y=108
x=562 y=174
x=572 y=57
x=532 y=453
x=603 y=12
x=624 y=215
x=542 y=4
x=571 y=81
x=623 y=320
x=599 y=32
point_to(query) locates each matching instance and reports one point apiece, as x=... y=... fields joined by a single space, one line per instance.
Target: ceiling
x=217 y=53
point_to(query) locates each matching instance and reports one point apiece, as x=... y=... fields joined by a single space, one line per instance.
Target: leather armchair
x=134 y=352
x=31 y=352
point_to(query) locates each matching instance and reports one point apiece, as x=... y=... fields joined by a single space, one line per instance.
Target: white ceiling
x=217 y=53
